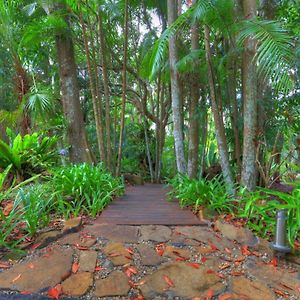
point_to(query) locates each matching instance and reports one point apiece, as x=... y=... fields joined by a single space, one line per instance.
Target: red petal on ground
x=160 y=249
x=214 y=247
x=236 y=273
x=227 y=250
x=75 y=267
x=209 y=294
x=224 y=266
x=114 y=254
x=274 y=262
x=34 y=246
x=130 y=250
x=79 y=247
x=16 y=278
x=225 y=297
x=210 y=271
x=278 y=292
x=4 y=265
x=140 y=297
x=245 y=250
x=98 y=268
x=194 y=265
x=180 y=258
x=204 y=259
x=169 y=281
x=129 y=271
x=220 y=275
x=54 y=293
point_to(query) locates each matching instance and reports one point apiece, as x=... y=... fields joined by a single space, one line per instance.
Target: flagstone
x=38 y=273
x=87 y=261
x=243 y=288
x=116 y=284
x=149 y=256
x=186 y=281
x=78 y=240
x=117 y=253
x=156 y=233
x=77 y=284
x=115 y=233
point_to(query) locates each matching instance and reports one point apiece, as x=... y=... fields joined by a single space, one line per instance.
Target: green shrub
x=201 y=192
x=28 y=155
x=84 y=187
x=35 y=203
x=260 y=209
x=8 y=225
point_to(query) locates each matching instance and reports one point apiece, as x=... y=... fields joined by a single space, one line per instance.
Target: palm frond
x=37 y=30
x=274 y=54
x=189 y=62
x=195 y=13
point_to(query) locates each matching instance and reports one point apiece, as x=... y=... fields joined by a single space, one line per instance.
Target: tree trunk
x=106 y=93
x=234 y=113
x=249 y=93
x=22 y=88
x=79 y=149
x=95 y=95
x=124 y=86
x=157 y=128
x=175 y=91
x=194 y=122
x=220 y=129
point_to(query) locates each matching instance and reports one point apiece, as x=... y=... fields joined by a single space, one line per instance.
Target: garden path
x=129 y=261
x=147 y=205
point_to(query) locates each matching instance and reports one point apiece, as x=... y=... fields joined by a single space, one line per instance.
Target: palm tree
x=175 y=91
x=58 y=25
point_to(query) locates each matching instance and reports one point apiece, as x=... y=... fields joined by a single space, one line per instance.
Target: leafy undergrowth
x=63 y=193
x=257 y=210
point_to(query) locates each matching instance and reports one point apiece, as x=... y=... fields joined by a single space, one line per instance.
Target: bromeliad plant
x=28 y=155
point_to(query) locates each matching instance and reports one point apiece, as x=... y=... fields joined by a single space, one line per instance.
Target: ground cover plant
x=257 y=209
x=63 y=192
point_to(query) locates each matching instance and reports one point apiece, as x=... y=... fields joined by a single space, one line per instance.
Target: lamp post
x=280 y=242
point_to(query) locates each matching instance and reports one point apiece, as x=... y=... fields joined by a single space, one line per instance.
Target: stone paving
x=151 y=262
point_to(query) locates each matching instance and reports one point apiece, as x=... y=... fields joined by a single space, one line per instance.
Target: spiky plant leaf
x=274 y=54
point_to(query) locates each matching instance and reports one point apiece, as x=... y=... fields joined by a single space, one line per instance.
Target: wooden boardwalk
x=147 y=205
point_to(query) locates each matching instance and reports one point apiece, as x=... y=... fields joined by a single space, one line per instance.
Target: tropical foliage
x=94 y=89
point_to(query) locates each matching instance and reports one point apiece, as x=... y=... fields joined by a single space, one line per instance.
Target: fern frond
x=274 y=54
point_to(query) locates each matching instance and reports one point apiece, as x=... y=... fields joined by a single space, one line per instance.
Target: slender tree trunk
x=220 y=130
x=95 y=95
x=194 y=103
x=106 y=93
x=204 y=129
x=79 y=149
x=231 y=84
x=249 y=92
x=175 y=91
x=157 y=128
x=124 y=86
x=22 y=88
x=147 y=146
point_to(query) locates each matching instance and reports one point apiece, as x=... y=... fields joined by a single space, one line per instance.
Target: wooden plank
x=147 y=205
